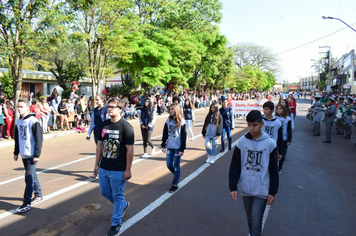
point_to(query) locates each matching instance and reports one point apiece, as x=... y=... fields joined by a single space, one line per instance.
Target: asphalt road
x=316 y=195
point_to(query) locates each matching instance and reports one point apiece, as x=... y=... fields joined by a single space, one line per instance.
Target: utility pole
x=329 y=74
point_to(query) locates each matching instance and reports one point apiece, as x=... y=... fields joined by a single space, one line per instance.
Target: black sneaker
x=222 y=150
x=280 y=171
x=114 y=230
x=173 y=188
x=23 y=208
x=127 y=206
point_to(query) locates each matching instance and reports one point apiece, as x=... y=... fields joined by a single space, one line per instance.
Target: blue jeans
x=173 y=164
x=214 y=144
x=31 y=180
x=112 y=186
x=254 y=208
x=226 y=129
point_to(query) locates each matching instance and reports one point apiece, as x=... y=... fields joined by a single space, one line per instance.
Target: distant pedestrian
x=189 y=116
x=254 y=166
x=330 y=113
x=114 y=155
x=28 y=143
x=282 y=115
x=99 y=115
x=228 y=123
x=174 y=142
x=147 y=118
x=211 y=131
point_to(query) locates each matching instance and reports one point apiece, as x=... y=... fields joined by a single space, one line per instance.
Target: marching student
x=189 y=116
x=147 y=118
x=317 y=104
x=272 y=126
x=28 y=143
x=349 y=105
x=254 y=167
x=282 y=115
x=228 y=123
x=340 y=126
x=330 y=112
x=174 y=142
x=211 y=131
x=113 y=162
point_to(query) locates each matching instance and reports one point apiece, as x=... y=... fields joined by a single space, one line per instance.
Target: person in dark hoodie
x=174 y=139
x=228 y=123
x=254 y=165
x=28 y=143
x=211 y=131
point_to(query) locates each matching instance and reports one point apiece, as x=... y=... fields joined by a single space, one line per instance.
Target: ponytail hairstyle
x=177 y=117
x=215 y=117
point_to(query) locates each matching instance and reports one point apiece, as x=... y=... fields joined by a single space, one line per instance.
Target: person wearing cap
x=330 y=112
x=317 y=104
x=349 y=105
x=340 y=126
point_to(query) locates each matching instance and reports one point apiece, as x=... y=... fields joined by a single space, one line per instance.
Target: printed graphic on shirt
x=282 y=122
x=254 y=159
x=110 y=146
x=172 y=130
x=23 y=132
x=269 y=130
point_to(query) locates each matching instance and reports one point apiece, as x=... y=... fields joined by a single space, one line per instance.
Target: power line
x=313 y=40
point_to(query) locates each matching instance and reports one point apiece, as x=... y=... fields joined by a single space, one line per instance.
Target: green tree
x=7 y=83
x=102 y=24
x=25 y=25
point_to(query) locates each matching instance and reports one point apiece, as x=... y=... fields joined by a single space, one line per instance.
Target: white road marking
x=59 y=192
x=46 y=170
x=159 y=201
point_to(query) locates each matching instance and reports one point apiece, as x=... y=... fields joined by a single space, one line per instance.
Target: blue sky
x=283 y=25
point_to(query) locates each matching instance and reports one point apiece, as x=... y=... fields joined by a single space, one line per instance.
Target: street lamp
x=334 y=18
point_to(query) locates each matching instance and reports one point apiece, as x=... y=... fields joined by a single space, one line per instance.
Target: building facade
x=343 y=77
x=308 y=84
x=44 y=82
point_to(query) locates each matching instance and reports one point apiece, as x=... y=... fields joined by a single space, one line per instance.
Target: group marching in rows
x=264 y=145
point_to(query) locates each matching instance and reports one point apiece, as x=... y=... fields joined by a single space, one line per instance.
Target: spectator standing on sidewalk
x=9 y=113
x=63 y=111
x=147 y=118
x=28 y=143
x=45 y=110
x=114 y=155
x=174 y=139
x=254 y=166
x=55 y=103
x=1 y=123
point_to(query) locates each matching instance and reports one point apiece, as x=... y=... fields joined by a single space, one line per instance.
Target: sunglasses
x=112 y=107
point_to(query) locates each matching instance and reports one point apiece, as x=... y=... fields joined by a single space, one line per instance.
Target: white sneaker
x=208 y=160
x=153 y=151
x=212 y=161
x=145 y=155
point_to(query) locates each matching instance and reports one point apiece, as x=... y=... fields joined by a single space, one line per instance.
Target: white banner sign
x=244 y=107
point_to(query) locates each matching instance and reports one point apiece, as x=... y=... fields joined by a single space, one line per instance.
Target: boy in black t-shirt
x=114 y=154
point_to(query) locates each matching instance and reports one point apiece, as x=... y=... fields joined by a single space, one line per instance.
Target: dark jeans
x=146 y=136
x=226 y=129
x=284 y=154
x=31 y=180
x=173 y=163
x=254 y=208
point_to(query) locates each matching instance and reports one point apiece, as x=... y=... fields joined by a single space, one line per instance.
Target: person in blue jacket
x=228 y=123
